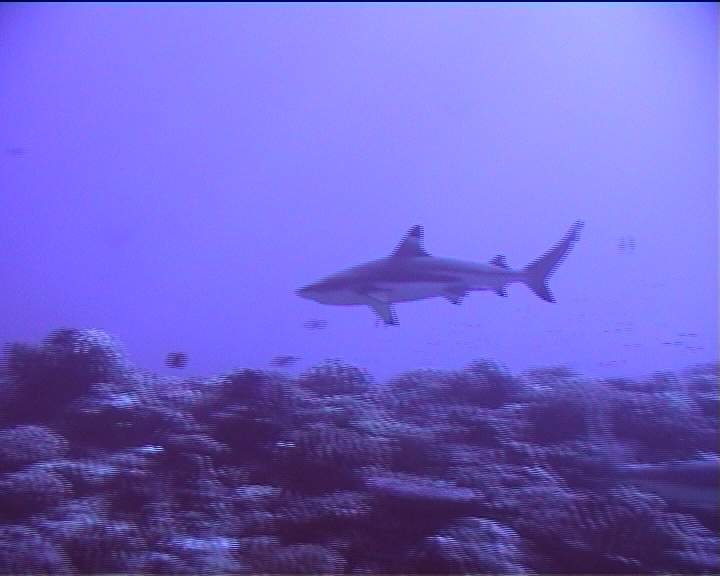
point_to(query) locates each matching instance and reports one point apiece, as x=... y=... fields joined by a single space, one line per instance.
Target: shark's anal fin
x=385 y=311
x=455 y=294
x=501 y=292
x=500 y=261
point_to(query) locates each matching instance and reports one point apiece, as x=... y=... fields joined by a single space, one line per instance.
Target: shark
x=410 y=273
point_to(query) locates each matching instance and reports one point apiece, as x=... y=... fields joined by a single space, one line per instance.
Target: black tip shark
x=411 y=273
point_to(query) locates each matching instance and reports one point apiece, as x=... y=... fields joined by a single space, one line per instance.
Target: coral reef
x=105 y=469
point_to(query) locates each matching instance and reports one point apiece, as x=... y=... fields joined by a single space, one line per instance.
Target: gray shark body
x=411 y=273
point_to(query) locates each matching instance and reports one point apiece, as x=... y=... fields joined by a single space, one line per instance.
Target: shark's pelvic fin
x=500 y=261
x=412 y=244
x=502 y=292
x=455 y=294
x=385 y=311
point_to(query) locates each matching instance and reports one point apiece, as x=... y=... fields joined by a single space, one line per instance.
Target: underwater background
x=170 y=175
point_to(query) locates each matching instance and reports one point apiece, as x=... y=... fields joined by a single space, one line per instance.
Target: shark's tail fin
x=538 y=271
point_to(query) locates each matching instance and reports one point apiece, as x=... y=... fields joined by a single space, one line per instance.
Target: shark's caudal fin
x=538 y=271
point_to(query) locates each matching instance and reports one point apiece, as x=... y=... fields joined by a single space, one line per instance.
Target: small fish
x=626 y=244
x=176 y=360
x=284 y=361
x=315 y=324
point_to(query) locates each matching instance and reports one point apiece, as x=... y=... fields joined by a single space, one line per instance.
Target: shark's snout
x=313 y=292
x=304 y=292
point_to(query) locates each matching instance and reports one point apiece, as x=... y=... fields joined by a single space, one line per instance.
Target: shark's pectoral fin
x=380 y=295
x=455 y=294
x=385 y=311
x=379 y=300
x=501 y=292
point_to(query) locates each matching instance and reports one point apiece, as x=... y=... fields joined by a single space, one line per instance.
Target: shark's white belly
x=406 y=291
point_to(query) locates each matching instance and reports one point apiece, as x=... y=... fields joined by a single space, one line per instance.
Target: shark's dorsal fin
x=412 y=244
x=500 y=261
